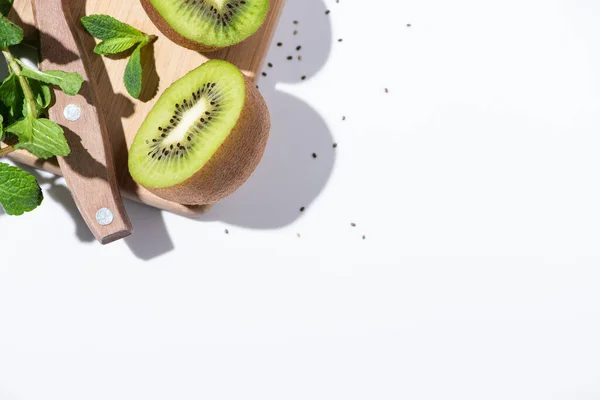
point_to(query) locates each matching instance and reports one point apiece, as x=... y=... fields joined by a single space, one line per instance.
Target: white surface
x=475 y=181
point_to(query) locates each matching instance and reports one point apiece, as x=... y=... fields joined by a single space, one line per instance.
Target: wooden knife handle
x=89 y=169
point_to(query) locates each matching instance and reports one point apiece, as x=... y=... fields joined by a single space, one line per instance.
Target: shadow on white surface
x=150 y=237
x=288 y=177
x=54 y=188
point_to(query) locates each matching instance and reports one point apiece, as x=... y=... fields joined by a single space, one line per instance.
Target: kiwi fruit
x=207 y=25
x=203 y=138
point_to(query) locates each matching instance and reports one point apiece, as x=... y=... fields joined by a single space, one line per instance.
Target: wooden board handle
x=89 y=169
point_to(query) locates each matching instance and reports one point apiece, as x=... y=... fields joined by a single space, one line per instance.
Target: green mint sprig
x=25 y=96
x=118 y=37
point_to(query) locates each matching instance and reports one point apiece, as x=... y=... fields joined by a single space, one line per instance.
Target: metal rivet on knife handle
x=72 y=112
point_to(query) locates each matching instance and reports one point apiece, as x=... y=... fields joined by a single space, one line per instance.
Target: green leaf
x=115 y=46
x=41 y=93
x=5 y=6
x=10 y=34
x=133 y=73
x=11 y=95
x=69 y=82
x=41 y=137
x=19 y=191
x=106 y=27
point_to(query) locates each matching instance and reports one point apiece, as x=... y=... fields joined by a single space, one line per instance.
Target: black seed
x=353 y=225
x=303 y=77
x=343 y=118
x=290 y=57
x=298 y=48
x=339 y=40
x=279 y=44
x=189 y=138
x=270 y=65
x=334 y=145
x=264 y=74
x=327 y=12
x=314 y=155
x=227 y=231
x=295 y=22
x=302 y=209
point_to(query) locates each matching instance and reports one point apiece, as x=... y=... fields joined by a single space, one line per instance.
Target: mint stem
x=6 y=150
x=16 y=69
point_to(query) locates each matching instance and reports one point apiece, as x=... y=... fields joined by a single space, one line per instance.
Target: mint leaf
x=115 y=46
x=10 y=34
x=11 y=95
x=41 y=137
x=133 y=73
x=106 y=27
x=19 y=191
x=41 y=93
x=5 y=6
x=69 y=82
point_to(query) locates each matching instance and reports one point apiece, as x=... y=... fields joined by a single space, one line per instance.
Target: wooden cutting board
x=124 y=115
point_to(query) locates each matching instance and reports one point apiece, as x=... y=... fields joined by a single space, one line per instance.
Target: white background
x=475 y=181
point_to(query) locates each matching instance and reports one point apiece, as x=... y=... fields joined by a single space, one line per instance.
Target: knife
x=89 y=169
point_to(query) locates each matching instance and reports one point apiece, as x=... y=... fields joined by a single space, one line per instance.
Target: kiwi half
x=203 y=138
x=207 y=25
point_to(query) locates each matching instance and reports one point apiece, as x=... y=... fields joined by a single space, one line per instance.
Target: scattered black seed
x=295 y=33
x=264 y=74
x=314 y=155
x=302 y=209
x=289 y=57
x=339 y=40
x=297 y=234
x=270 y=65
x=334 y=145
x=327 y=12
x=353 y=225
x=408 y=25
x=295 y=22
x=298 y=48
x=279 y=44
x=364 y=237
x=227 y=231
x=303 y=77
x=387 y=90
x=344 y=118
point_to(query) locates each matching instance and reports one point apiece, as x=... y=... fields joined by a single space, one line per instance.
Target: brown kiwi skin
x=233 y=162
x=170 y=33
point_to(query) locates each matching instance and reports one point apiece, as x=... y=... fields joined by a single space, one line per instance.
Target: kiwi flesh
x=207 y=25
x=203 y=138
